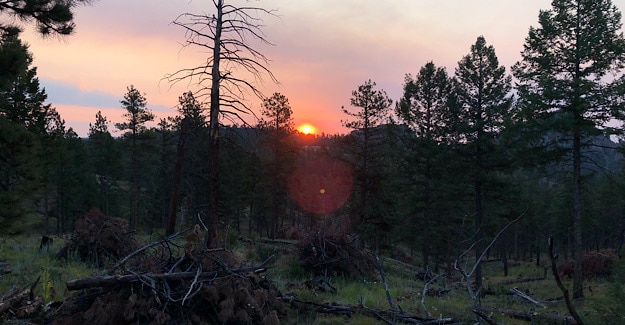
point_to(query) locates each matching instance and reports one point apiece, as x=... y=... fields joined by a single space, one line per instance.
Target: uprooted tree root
x=99 y=240
x=156 y=285
x=332 y=250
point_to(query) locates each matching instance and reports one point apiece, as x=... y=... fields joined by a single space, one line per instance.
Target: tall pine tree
x=566 y=87
x=482 y=105
x=424 y=109
x=137 y=115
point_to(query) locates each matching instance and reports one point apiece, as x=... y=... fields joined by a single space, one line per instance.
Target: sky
x=322 y=50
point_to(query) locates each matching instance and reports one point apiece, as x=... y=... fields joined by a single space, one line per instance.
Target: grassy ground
x=26 y=263
x=603 y=303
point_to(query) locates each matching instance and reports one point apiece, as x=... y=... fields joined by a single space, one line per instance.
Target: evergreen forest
x=472 y=164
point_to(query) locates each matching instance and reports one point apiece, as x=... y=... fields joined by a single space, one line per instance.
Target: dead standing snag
x=227 y=34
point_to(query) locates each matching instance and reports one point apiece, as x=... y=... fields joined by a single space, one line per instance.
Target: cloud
x=79 y=117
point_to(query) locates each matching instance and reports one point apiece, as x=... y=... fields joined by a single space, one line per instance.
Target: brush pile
x=176 y=280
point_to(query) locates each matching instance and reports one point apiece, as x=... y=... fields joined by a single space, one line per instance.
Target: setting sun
x=307 y=129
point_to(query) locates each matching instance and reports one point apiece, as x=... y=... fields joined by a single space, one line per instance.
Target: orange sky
x=323 y=50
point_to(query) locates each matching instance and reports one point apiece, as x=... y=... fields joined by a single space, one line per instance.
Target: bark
x=105 y=281
x=532 y=316
x=565 y=291
x=175 y=188
x=213 y=142
x=578 y=256
x=479 y=215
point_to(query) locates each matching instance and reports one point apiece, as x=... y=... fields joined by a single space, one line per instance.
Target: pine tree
x=424 y=109
x=482 y=106
x=278 y=129
x=21 y=97
x=137 y=115
x=371 y=109
x=104 y=159
x=50 y=16
x=566 y=87
x=188 y=127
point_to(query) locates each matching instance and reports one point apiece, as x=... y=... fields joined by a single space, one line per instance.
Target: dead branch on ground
x=467 y=276
x=565 y=291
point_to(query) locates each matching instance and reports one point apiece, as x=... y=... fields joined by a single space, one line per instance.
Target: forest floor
x=310 y=299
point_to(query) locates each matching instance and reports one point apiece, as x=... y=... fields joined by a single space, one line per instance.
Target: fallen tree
x=530 y=315
x=106 y=281
x=390 y=316
x=171 y=282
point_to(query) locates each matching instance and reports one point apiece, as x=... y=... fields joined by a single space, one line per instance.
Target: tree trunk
x=479 y=219
x=175 y=186
x=578 y=255
x=213 y=142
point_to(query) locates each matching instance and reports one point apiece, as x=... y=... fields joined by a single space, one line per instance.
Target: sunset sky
x=323 y=50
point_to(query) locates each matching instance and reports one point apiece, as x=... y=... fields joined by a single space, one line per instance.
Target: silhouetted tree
x=228 y=33
x=372 y=109
x=187 y=126
x=50 y=16
x=482 y=106
x=137 y=114
x=423 y=107
x=104 y=158
x=21 y=97
x=278 y=128
x=566 y=86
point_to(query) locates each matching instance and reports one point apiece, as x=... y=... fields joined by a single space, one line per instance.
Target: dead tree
x=475 y=296
x=565 y=291
x=227 y=34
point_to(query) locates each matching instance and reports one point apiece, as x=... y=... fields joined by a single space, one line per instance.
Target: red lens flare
x=321 y=185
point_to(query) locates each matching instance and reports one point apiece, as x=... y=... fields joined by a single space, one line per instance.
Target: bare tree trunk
x=479 y=216
x=213 y=142
x=578 y=256
x=175 y=187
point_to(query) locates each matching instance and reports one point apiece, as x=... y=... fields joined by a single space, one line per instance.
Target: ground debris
x=99 y=239
x=169 y=282
x=332 y=250
x=18 y=303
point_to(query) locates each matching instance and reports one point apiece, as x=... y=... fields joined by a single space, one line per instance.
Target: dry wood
x=125 y=259
x=388 y=293
x=388 y=316
x=112 y=280
x=14 y=298
x=521 y=280
x=487 y=318
x=425 y=291
x=527 y=297
x=279 y=241
x=531 y=315
x=565 y=291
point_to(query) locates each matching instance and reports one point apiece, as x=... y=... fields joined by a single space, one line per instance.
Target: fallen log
x=527 y=297
x=279 y=241
x=22 y=302
x=113 y=280
x=531 y=315
x=388 y=316
x=521 y=280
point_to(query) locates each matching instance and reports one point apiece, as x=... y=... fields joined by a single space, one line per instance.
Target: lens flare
x=321 y=186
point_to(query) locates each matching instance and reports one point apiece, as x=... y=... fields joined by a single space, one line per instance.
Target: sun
x=307 y=129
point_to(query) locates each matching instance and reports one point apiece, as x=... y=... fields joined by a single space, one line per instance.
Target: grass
x=602 y=304
x=27 y=263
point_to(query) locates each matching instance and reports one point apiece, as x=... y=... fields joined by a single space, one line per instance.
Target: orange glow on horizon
x=307 y=129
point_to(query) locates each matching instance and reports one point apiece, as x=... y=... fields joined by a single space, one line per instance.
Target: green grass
x=27 y=263
x=602 y=305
